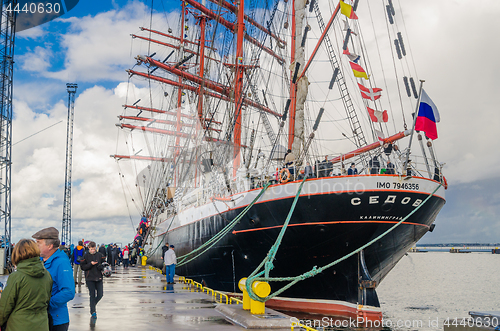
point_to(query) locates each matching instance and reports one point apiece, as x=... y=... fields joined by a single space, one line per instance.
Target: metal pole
x=413 y=127
x=424 y=154
x=7 y=38
x=66 y=221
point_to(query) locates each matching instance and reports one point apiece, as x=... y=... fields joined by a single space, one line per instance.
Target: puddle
x=269 y=316
x=193 y=319
x=204 y=301
x=422 y=308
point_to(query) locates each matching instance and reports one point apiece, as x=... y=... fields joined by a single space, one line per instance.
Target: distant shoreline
x=459 y=245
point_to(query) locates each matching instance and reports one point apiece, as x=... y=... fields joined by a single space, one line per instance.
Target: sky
x=452 y=45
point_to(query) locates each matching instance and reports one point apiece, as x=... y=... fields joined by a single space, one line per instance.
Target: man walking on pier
x=59 y=267
x=170 y=261
x=92 y=265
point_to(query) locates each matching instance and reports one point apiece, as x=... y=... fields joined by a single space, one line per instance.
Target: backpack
x=78 y=255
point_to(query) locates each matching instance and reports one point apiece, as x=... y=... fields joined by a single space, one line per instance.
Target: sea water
x=426 y=290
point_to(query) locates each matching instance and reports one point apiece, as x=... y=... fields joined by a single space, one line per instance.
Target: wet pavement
x=138 y=298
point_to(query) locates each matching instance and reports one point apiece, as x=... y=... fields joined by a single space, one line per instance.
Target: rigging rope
x=215 y=239
x=126 y=202
x=382 y=70
x=257 y=276
x=152 y=251
x=396 y=75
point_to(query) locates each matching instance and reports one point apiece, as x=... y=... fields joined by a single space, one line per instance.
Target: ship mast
x=293 y=85
x=202 y=86
x=179 y=93
x=203 y=20
x=238 y=85
x=298 y=86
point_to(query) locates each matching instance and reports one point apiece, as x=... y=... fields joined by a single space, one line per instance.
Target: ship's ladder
x=354 y=123
x=267 y=263
x=263 y=116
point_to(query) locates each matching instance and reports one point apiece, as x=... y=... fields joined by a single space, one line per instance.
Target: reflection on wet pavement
x=139 y=298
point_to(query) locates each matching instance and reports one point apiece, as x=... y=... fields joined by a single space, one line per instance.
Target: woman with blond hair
x=25 y=299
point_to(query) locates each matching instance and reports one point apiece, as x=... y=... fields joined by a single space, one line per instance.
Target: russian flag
x=427 y=117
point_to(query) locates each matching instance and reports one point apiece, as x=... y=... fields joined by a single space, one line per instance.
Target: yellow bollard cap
x=241 y=284
x=261 y=289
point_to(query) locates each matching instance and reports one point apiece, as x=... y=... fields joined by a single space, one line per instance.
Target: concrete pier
x=138 y=298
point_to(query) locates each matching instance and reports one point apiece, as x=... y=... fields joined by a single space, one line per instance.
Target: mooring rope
x=256 y=275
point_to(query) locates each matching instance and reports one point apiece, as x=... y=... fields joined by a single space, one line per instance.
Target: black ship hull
x=324 y=227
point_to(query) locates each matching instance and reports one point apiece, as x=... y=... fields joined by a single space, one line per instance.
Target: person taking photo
x=91 y=264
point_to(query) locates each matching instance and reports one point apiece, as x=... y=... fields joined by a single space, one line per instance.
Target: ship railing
x=420 y=166
x=425 y=167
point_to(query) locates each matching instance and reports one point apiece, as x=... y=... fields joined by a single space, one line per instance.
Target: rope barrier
x=315 y=270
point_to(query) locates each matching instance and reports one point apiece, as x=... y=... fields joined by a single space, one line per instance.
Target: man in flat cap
x=59 y=267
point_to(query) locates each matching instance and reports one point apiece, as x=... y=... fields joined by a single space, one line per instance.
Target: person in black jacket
x=114 y=255
x=390 y=168
x=328 y=167
x=108 y=250
x=92 y=265
x=102 y=250
x=163 y=250
x=374 y=166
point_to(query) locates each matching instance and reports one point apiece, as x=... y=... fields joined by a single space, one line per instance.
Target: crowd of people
x=40 y=287
x=292 y=171
x=47 y=274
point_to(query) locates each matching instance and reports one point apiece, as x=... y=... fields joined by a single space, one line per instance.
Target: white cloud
x=461 y=81
x=37 y=61
x=451 y=44
x=31 y=33
x=36 y=94
x=97 y=48
x=39 y=164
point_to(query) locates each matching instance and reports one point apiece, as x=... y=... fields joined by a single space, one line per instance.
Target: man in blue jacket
x=59 y=267
x=78 y=253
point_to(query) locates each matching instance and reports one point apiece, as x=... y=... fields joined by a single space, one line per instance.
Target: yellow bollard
x=144 y=259
x=262 y=290
x=246 y=297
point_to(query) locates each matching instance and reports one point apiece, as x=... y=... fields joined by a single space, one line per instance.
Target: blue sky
x=50 y=36
x=91 y=46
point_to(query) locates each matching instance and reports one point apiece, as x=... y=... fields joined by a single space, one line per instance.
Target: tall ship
x=281 y=140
